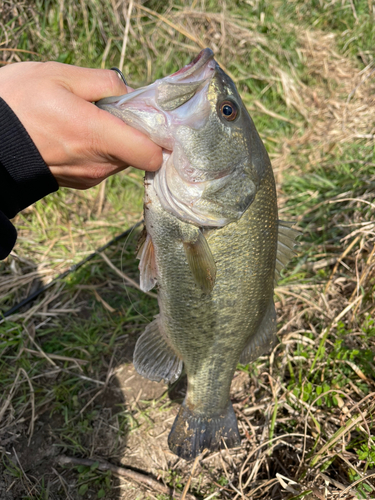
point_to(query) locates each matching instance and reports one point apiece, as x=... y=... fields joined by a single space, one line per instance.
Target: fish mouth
x=174 y=90
x=178 y=88
x=196 y=64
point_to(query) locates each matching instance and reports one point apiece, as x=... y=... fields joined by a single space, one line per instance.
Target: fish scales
x=211 y=245
x=202 y=328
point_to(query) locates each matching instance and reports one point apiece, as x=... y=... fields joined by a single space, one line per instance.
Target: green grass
x=325 y=364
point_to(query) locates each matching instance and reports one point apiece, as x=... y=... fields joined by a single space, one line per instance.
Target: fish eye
x=229 y=110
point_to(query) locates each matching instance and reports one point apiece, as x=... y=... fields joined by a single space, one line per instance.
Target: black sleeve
x=24 y=176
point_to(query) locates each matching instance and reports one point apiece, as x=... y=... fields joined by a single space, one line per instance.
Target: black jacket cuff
x=24 y=176
x=8 y=236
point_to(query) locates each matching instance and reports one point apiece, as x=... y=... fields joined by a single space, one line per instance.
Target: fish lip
x=194 y=66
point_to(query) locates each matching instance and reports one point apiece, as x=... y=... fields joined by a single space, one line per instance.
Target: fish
x=213 y=245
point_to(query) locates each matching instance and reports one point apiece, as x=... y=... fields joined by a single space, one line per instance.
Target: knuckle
x=51 y=67
x=56 y=72
x=114 y=84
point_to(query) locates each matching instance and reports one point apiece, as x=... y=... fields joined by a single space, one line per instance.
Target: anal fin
x=264 y=338
x=153 y=358
x=201 y=262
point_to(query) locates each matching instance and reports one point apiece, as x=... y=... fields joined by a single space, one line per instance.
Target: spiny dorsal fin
x=285 y=246
x=147 y=265
x=153 y=358
x=201 y=262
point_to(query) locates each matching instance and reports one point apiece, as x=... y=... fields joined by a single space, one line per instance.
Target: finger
x=82 y=176
x=122 y=142
x=89 y=84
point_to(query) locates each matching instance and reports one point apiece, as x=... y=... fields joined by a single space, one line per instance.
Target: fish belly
x=208 y=332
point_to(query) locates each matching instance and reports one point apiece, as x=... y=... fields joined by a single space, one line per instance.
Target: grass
x=304 y=69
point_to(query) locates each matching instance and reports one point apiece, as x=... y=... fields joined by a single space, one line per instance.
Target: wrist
x=25 y=177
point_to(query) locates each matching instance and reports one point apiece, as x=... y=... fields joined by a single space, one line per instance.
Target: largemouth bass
x=213 y=245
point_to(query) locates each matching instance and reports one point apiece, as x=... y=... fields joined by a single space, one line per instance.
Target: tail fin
x=192 y=434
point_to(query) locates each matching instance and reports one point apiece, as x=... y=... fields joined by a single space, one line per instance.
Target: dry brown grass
x=292 y=447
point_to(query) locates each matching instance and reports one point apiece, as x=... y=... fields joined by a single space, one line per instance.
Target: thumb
x=127 y=144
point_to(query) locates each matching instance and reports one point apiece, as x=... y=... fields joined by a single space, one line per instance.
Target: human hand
x=81 y=144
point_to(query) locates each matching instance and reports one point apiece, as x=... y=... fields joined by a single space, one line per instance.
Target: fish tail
x=192 y=434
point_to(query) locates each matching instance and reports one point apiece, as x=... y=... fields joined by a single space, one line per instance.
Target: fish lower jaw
x=185 y=210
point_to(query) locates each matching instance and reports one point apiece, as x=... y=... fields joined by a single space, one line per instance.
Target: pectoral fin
x=201 y=262
x=147 y=265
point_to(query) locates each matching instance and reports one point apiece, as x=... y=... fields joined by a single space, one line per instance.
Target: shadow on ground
x=76 y=382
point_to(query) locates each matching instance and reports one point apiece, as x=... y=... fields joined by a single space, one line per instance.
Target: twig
x=40 y=350
x=56 y=356
x=349 y=488
x=102 y=301
x=338 y=435
x=10 y=395
x=250 y=455
x=365 y=272
x=32 y=399
x=268 y=483
x=213 y=494
x=21 y=468
x=227 y=477
x=124 y=276
x=338 y=485
x=180 y=29
x=63 y=484
x=101 y=198
x=122 y=472
x=344 y=254
x=83 y=377
x=306 y=418
x=268 y=112
x=187 y=485
x=126 y=35
x=7 y=49
x=61 y=276
x=82 y=410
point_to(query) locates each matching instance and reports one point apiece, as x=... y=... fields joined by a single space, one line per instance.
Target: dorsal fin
x=285 y=246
